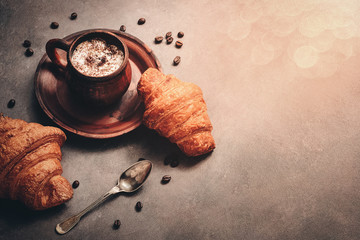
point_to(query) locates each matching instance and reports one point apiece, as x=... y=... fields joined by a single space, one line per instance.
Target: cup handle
x=51 y=51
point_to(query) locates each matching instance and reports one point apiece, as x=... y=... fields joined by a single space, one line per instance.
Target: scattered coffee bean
x=117 y=224
x=174 y=163
x=140 y=159
x=168 y=159
x=54 y=25
x=73 y=16
x=169 y=40
x=11 y=103
x=27 y=43
x=138 y=206
x=141 y=21
x=29 y=52
x=168 y=34
x=180 y=34
x=171 y=159
x=165 y=179
x=75 y=184
x=158 y=39
x=177 y=60
x=122 y=28
x=178 y=44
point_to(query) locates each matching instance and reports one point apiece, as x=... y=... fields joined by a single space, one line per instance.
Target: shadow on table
x=16 y=213
x=149 y=140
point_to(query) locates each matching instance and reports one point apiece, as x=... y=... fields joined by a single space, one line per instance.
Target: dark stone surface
x=287 y=161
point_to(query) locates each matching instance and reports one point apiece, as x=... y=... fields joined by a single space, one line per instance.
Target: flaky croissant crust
x=177 y=111
x=30 y=166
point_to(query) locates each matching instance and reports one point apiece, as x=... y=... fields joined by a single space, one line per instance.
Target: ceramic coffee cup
x=94 y=86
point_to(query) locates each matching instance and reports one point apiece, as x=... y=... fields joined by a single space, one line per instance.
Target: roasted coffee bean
x=174 y=163
x=73 y=16
x=117 y=224
x=27 y=43
x=29 y=52
x=122 y=28
x=11 y=103
x=75 y=184
x=165 y=179
x=140 y=159
x=177 y=60
x=167 y=161
x=180 y=34
x=169 y=158
x=169 y=40
x=138 y=206
x=178 y=44
x=168 y=34
x=158 y=39
x=54 y=25
x=141 y=21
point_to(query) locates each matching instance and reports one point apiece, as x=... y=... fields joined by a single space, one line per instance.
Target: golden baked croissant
x=177 y=111
x=30 y=166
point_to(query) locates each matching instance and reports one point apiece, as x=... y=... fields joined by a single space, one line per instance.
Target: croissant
x=30 y=166
x=177 y=111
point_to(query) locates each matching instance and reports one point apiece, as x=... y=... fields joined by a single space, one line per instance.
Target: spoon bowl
x=135 y=176
x=129 y=181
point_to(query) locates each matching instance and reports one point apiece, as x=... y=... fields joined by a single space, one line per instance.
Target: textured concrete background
x=281 y=82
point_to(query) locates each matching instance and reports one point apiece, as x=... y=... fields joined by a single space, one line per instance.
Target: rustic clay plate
x=73 y=115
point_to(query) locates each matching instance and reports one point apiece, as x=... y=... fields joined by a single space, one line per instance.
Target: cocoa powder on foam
x=97 y=58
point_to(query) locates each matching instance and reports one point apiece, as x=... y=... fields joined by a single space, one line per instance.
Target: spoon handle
x=71 y=222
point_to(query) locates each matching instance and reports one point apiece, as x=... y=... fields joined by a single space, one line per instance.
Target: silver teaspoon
x=130 y=181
